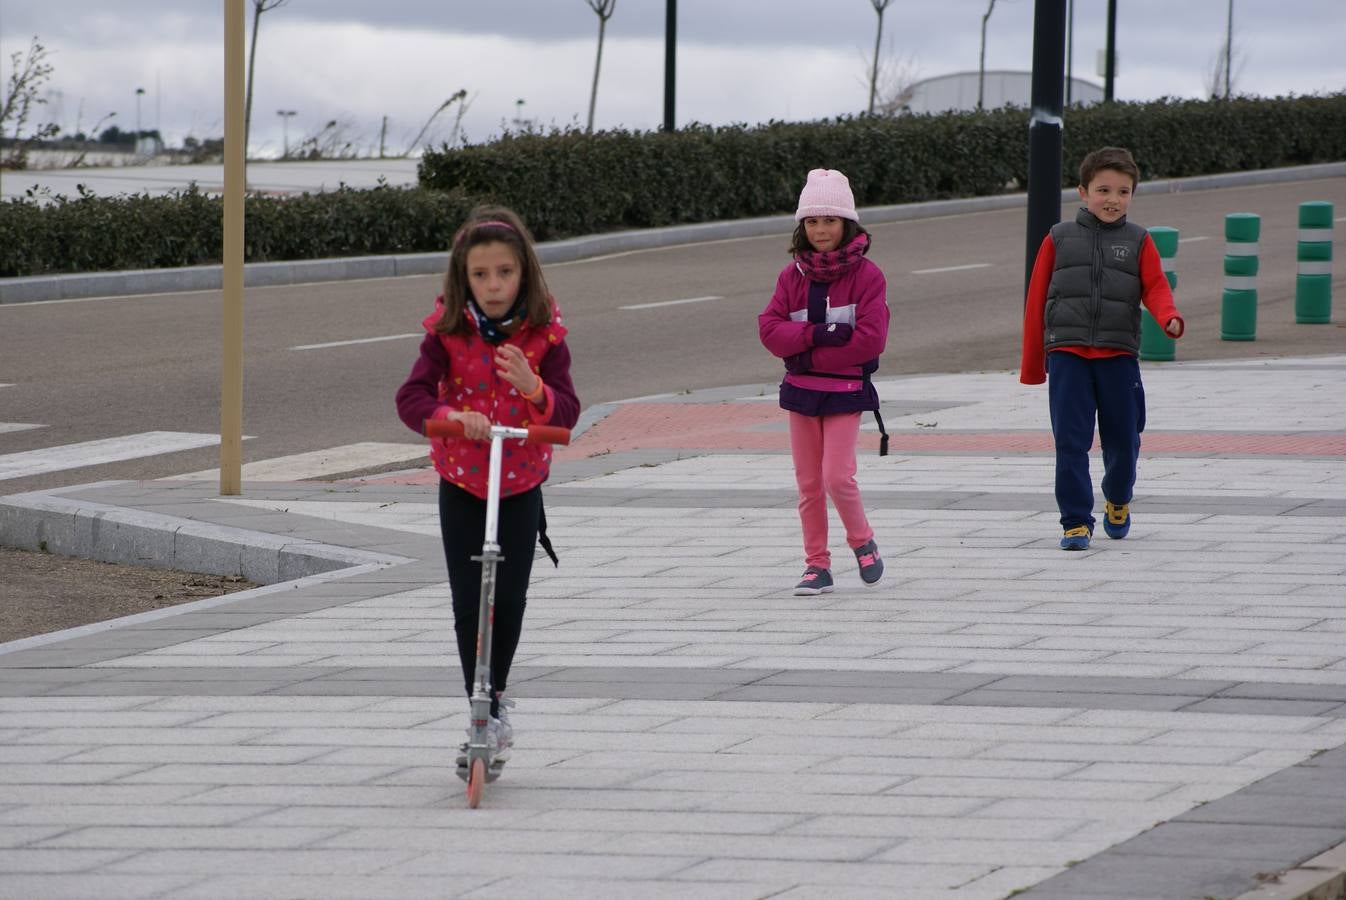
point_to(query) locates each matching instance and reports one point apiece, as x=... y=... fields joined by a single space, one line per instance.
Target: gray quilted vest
x=1094 y=296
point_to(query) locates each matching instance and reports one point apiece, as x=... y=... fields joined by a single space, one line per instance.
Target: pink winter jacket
x=858 y=298
x=456 y=372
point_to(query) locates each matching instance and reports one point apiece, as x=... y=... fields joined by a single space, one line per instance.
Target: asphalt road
x=93 y=369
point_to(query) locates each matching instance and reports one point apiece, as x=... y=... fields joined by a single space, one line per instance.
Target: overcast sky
x=356 y=61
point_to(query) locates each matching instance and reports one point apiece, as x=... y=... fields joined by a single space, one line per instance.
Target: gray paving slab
x=1151 y=718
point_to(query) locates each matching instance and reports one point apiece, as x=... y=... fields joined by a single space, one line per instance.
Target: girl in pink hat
x=828 y=320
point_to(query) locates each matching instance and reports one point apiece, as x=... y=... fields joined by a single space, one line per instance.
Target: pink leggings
x=824 y=455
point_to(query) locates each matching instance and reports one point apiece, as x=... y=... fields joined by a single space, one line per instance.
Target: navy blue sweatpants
x=1080 y=390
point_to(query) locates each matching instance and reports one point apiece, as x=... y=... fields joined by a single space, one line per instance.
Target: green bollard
x=1155 y=344
x=1313 y=284
x=1238 y=304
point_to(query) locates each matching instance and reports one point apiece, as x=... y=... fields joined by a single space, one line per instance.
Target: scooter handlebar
x=533 y=434
x=548 y=434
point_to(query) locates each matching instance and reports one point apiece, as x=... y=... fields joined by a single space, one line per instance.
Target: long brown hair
x=493 y=225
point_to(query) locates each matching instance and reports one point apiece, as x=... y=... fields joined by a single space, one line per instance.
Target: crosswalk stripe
x=17 y=426
x=92 y=453
x=320 y=463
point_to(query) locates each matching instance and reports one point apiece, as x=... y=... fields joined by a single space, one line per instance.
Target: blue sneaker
x=871 y=565
x=1116 y=519
x=1077 y=538
x=816 y=580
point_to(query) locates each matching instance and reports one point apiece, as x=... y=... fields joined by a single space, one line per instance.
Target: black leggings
x=462 y=523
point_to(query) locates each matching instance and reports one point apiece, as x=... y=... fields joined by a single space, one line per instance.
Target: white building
x=958 y=91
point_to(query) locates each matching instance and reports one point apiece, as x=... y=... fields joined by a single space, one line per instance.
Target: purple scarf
x=828 y=267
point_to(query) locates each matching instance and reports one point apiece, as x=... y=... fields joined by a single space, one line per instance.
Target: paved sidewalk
x=1160 y=717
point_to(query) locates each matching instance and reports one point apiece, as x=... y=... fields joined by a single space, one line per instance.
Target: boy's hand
x=511 y=365
x=1174 y=327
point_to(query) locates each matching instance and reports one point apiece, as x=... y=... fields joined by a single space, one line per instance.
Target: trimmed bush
x=185 y=228
x=568 y=182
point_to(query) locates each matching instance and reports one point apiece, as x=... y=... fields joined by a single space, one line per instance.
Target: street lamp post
x=285 y=131
x=140 y=92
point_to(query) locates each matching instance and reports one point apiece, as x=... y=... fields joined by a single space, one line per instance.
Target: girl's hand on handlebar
x=476 y=427
x=511 y=365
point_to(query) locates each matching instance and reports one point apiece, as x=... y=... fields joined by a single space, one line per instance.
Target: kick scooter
x=478 y=764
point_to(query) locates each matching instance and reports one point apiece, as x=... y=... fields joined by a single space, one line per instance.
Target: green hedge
x=567 y=182
x=98 y=234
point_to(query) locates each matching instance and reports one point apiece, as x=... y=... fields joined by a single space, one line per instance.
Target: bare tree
x=329 y=142
x=26 y=77
x=461 y=96
x=1220 y=81
x=896 y=85
x=981 y=59
x=879 y=7
x=1228 y=63
x=604 y=10
x=258 y=7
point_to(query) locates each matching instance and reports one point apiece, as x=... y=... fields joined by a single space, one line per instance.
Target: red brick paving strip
x=761 y=426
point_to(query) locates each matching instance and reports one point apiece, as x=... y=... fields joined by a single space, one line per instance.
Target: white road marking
x=6 y=427
x=1194 y=239
x=950 y=269
x=373 y=340
x=92 y=453
x=320 y=463
x=669 y=302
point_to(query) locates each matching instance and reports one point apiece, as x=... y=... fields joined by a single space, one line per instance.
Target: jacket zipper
x=1096 y=286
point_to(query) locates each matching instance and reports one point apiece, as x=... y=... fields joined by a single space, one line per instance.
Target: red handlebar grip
x=443 y=428
x=548 y=434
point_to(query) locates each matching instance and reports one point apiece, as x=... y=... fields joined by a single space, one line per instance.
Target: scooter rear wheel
x=476 y=783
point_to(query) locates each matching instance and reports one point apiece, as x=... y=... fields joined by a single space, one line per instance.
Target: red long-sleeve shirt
x=1154 y=293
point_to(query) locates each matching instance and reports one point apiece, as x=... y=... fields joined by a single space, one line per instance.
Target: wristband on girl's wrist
x=537 y=394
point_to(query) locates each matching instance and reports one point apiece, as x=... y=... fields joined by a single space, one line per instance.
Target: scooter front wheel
x=476 y=783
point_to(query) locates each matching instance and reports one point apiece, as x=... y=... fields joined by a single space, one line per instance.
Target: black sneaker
x=816 y=580
x=871 y=566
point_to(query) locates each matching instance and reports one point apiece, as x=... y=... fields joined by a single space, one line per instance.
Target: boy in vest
x=1082 y=336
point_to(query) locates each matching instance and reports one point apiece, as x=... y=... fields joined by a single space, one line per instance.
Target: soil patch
x=43 y=592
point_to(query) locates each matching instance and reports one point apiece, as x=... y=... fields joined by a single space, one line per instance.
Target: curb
x=46 y=522
x=210 y=278
x=1321 y=878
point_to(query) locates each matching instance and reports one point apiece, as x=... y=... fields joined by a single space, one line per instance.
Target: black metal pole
x=670 y=59
x=1070 y=47
x=1044 y=128
x=1110 y=64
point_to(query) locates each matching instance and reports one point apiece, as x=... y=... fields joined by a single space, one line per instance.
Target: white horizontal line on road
x=92 y=453
x=1194 y=239
x=950 y=269
x=390 y=337
x=17 y=426
x=319 y=463
x=669 y=302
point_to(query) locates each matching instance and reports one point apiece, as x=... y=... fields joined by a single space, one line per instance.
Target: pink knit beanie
x=827 y=193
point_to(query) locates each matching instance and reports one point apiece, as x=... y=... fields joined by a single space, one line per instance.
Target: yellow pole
x=231 y=364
